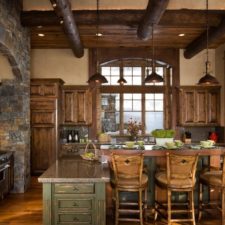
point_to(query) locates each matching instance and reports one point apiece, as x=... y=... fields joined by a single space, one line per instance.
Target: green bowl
x=129 y=144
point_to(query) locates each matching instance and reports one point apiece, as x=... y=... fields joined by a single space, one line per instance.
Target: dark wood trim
x=63 y=11
x=153 y=14
x=132 y=89
x=171 y=18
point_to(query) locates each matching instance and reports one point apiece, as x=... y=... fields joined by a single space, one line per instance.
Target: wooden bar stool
x=213 y=178
x=128 y=176
x=179 y=176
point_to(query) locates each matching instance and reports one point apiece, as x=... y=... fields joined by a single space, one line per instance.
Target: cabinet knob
x=75 y=204
x=75 y=188
x=75 y=219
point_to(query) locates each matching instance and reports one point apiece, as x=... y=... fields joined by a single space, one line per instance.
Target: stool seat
x=131 y=183
x=213 y=178
x=174 y=182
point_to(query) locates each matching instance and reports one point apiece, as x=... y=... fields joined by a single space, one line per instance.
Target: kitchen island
x=74 y=192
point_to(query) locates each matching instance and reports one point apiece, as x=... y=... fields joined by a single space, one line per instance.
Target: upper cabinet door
x=199 y=105
x=77 y=106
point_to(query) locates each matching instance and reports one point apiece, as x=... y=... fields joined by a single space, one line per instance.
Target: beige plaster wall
x=6 y=71
x=59 y=63
x=191 y=70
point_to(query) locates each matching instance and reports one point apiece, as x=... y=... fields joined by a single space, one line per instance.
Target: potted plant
x=162 y=136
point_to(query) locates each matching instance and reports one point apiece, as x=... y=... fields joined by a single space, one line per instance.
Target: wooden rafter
x=64 y=12
x=200 y=43
x=153 y=14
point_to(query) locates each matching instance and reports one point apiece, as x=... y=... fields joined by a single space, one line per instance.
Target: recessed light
x=39 y=27
x=99 y=34
x=181 y=35
x=41 y=35
x=54 y=5
x=61 y=21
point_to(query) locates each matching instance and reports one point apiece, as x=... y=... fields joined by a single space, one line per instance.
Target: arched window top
x=133 y=70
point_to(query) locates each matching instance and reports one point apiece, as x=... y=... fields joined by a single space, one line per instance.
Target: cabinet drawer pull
x=75 y=188
x=75 y=219
x=75 y=204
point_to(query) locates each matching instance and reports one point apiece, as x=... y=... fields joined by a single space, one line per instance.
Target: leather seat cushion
x=131 y=182
x=175 y=182
x=212 y=177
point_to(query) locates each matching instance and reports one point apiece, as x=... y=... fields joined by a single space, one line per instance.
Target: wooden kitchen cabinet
x=45 y=105
x=199 y=105
x=77 y=105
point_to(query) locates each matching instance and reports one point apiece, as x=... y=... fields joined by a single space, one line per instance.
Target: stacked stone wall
x=15 y=94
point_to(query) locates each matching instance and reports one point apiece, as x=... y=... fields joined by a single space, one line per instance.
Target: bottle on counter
x=70 y=137
x=76 y=137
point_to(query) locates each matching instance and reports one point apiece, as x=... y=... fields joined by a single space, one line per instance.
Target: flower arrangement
x=134 y=127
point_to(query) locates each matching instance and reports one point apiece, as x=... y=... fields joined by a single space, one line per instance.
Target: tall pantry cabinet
x=45 y=105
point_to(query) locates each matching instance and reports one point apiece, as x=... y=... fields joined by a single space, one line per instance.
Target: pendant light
x=97 y=77
x=121 y=80
x=207 y=79
x=153 y=77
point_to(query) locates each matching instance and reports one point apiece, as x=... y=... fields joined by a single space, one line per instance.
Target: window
x=131 y=100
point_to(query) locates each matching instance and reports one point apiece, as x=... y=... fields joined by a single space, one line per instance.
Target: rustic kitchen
x=91 y=87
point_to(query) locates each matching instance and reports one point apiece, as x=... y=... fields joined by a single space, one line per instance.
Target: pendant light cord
x=153 y=50
x=97 y=32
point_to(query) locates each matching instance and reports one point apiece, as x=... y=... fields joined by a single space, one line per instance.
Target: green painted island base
x=74 y=203
x=74 y=192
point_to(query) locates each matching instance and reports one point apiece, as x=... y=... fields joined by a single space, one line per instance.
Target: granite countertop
x=75 y=169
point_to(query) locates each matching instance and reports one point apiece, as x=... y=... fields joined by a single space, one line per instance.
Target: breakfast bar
x=78 y=190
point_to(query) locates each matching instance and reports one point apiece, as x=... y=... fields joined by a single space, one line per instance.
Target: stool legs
x=169 y=206
x=117 y=207
x=192 y=206
x=140 y=207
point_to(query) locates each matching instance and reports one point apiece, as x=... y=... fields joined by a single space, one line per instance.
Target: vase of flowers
x=133 y=129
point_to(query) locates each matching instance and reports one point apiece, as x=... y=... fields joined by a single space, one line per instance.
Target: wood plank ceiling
x=119 y=28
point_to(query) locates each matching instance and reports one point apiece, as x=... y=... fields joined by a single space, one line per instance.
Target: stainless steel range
x=6 y=172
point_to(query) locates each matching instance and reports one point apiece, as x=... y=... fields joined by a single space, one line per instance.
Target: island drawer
x=74 y=218
x=81 y=188
x=74 y=204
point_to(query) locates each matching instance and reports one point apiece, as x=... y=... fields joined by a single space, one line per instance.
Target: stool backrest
x=181 y=166
x=127 y=166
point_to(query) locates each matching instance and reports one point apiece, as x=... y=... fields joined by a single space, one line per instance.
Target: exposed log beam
x=153 y=14
x=63 y=10
x=200 y=43
x=171 y=18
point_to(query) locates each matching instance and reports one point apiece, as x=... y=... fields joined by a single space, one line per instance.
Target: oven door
x=3 y=169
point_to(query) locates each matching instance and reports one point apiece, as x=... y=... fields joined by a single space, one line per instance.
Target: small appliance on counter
x=213 y=136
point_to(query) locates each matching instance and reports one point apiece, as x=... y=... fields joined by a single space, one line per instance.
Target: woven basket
x=94 y=150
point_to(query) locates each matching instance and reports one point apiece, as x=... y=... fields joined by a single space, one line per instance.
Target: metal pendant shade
x=153 y=77
x=121 y=80
x=207 y=79
x=97 y=77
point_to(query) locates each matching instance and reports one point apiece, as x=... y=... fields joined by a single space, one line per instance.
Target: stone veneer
x=15 y=94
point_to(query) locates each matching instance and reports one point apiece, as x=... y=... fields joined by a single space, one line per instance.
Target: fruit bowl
x=89 y=156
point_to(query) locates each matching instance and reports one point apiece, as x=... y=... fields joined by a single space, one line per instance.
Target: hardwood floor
x=24 y=209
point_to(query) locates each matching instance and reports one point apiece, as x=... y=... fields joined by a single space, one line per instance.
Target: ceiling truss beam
x=215 y=33
x=64 y=12
x=153 y=14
